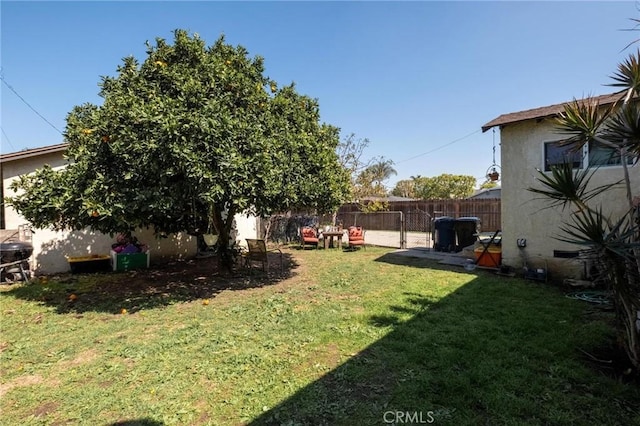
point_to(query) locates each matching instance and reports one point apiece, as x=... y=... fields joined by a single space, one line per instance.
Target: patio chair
x=257 y=251
x=309 y=235
x=356 y=237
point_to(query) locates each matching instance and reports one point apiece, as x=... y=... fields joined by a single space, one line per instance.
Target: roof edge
x=547 y=111
x=26 y=153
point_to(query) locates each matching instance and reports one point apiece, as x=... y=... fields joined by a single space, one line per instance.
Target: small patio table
x=330 y=235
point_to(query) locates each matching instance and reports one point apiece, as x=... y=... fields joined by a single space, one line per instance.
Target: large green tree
x=404 y=188
x=444 y=186
x=184 y=141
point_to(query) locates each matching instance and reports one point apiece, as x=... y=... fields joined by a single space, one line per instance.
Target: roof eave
x=20 y=155
x=542 y=113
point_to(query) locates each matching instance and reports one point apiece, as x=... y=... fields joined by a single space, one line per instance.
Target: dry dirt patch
x=20 y=381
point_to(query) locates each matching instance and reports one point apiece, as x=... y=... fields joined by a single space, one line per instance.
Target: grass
x=343 y=338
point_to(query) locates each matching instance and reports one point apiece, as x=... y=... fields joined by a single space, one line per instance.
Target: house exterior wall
x=525 y=215
x=246 y=227
x=52 y=247
x=11 y=170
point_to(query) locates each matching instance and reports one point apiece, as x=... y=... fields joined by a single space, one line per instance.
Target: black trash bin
x=444 y=238
x=466 y=229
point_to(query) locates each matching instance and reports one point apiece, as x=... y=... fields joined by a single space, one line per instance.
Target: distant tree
x=367 y=176
x=381 y=171
x=488 y=184
x=369 y=186
x=445 y=186
x=405 y=188
x=183 y=142
x=350 y=153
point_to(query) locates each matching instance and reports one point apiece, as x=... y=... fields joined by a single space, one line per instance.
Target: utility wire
x=27 y=104
x=440 y=147
x=7 y=138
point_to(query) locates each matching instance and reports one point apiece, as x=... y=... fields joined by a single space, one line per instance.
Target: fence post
x=403 y=232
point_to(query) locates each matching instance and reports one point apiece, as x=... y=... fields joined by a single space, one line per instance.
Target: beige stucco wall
x=52 y=247
x=246 y=227
x=12 y=169
x=525 y=214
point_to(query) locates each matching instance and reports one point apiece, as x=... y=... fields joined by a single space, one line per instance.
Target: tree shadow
x=162 y=285
x=423 y=263
x=484 y=354
x=53 y=252
x=137 y=422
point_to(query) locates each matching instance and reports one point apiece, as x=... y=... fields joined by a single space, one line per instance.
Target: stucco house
x=528 y=141
x=52 y=247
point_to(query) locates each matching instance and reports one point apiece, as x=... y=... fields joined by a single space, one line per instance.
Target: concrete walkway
x=459 y=259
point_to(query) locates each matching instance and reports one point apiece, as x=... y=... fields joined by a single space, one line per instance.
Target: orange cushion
x=308 y=233
x=355 y=232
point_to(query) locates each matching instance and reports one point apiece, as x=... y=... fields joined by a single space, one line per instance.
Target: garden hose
x=598 y=297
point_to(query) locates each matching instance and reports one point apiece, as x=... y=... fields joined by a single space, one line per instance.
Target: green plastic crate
x=129 y=261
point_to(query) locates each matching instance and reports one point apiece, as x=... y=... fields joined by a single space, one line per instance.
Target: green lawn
x=344 y=338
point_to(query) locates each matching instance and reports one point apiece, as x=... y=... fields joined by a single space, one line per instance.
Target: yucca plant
x=613 y=243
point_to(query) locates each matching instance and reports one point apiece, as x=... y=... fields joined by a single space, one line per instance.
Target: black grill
x=12 y=252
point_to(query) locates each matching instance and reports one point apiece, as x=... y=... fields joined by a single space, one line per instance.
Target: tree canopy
x=444 y=186
x=182 y=142
x=367 y=176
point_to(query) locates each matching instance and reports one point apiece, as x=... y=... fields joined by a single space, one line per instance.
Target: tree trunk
x=267 y=227
x=226 y=254
x=625 y=286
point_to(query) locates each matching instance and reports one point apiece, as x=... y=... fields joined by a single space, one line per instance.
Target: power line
x=7 y=138
x=440 y=147
x=27 y=104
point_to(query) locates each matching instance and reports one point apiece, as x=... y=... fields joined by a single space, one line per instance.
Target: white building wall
x=12 y=169
x=51 y=248
x=525 y=215
x=246 y=227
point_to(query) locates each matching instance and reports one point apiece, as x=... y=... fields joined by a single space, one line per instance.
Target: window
x=596 y=154
x=600 y=155
x=555 y=153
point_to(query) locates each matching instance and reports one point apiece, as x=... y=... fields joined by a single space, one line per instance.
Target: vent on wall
x=566 y=254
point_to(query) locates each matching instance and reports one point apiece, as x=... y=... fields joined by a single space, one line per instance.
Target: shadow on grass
x=174 y=282
x=416 y=262
x=494 y=351
x=137 y=422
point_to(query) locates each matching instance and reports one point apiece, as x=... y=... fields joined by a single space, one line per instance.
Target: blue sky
x=418 y=79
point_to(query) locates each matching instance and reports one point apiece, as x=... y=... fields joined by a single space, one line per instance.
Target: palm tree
x=381 y=171
x=613 y=243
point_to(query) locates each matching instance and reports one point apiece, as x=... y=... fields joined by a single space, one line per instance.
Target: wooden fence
x=404 y=224
x=419 y=214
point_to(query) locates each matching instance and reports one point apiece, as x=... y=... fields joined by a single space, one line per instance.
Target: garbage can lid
x=469 y=219
x=443 y=218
